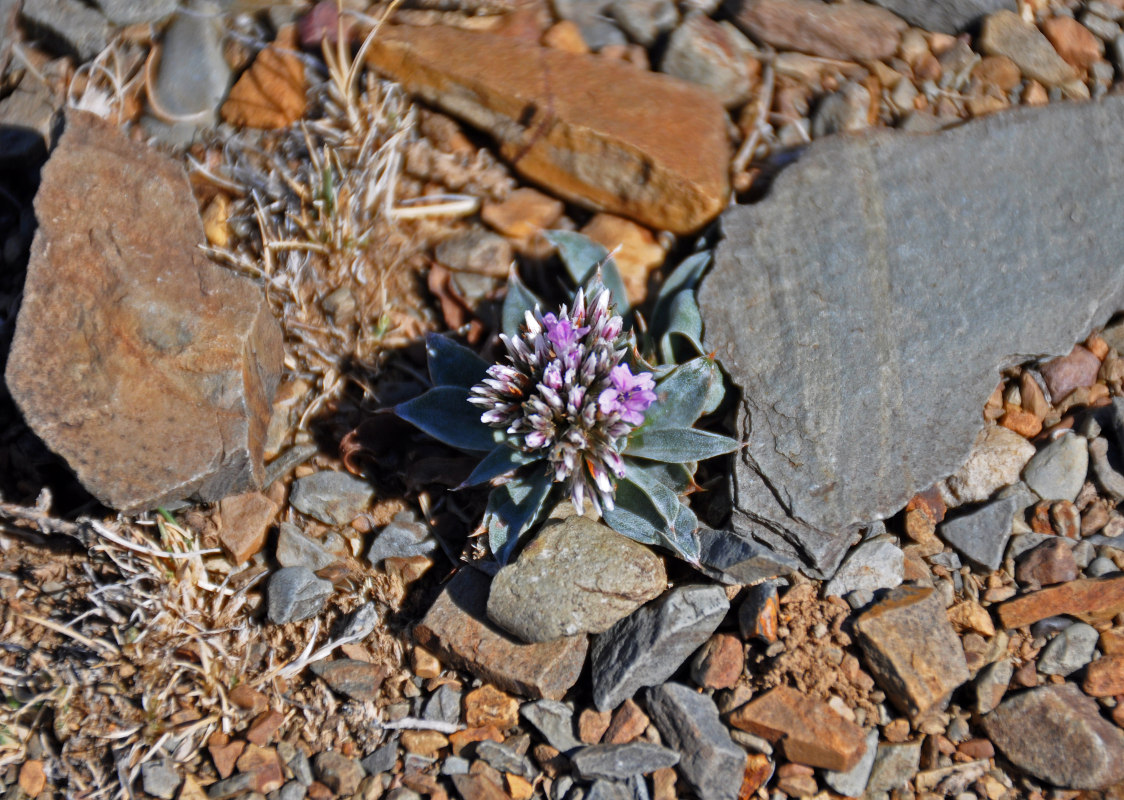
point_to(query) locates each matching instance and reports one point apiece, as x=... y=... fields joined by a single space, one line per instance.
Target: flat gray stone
x=852 y=783
x=649 y=646
x=295 y=593
x=856 y=306
x=444 y=705
x=160 y=779
x=1058 y=470
x=1069 y=651
x=577 y=576
x=711 y=54
x=709 y=760
x=555 y=721
x=944 y=16
x=334 y=498
x=70 y=23
x=1006 y=33
x=130 y=12
x=294 y=549
x=894 y=765
x=873 y=565
x=734 y=559
x=981 y=535
x=991 y=684
x=383 y=759
x=405 y=537
x=606 y=790
x=644 y=20
x=617 y=762
x=1040 y=730
x=505 y=759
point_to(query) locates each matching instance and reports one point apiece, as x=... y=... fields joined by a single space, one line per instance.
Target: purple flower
x=562 y=333
x=629 y=396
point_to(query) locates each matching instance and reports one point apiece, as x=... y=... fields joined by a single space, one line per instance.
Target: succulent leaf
x=513 y=508
x=683 y=395
x=684 y=320
x=445 y=414
x=679 y=445
x=501 y=461
x=582 y=256
x=682 y=278
x=518 y=302
x=453 y=364
x=634 y=514
x=669 y=511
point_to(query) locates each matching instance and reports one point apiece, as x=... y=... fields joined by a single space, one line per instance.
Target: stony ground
x=325 y=626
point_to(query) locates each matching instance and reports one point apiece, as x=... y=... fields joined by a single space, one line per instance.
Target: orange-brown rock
x=629 y=721
x=264 y=726
x=637 y=252
x=1073 y=41
x=847 y=31
x=592 y=725
x=809 y=730
x=489 y=706
x=462 y=739
x=225 y=756
x=594 y=131
x=150 y=369
x=1104 y=677
x=1088 y=599
x=32 y=779
x=246 y=519
x=265 y=765
x=523 y=213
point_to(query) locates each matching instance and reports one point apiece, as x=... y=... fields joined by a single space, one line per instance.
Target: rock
x=1004 y=33
x=873 y=565
x=719 y=663
x=156 y=343
x=853 y=782
x=1105 y=677
x=523 y=213
x=712 y=54
x=555 y=721
x=338 y=772
x=476 y=250
x=70 y=24
x=809 y=730
x=844 y=111
x=245 y=522
x=577 y=576
x=759 y=613
x=192 y=77
x=647 y=647
x=1100 y=566
x=636 y=251
x=1058 y=470
x=1069 y=651
x=359 y=680
x=381 y=760
x=1040 y=730
x=997 y=459
x=295 y=594
x=709 y=761
x=847 y=32
x=159 y=779
x=405 y=537
x=264 y=764
x=1048 y=563
x=644 y=20
x=1079 y=47
x=476 y=787
x=894 y=765
x=981 y=535
x=488 y=706
x=28 y=118
x=617 y=762
x=731 y=558
x=628 y=722
x=294 y=549
x=601 y=138
x=947 y=16
x=806 y=481
x=505 y=759
x=130 y=12
x=334 y=498
x=1088 y=599
x=457 y=629
x=911 y=649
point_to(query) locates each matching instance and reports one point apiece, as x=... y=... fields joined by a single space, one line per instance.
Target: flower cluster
x=566 y=392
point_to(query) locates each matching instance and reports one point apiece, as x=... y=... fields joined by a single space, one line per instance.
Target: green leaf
x=678 y=445
x=446 y=415
x=453 y=364
x=519 y=300
x=499 y=462
x=684 y=320
x=655 y=510
x=676 y=477
x=581 y=255
x=682 y=395
x=634 y=515
x=513 y=508
x=682 y=537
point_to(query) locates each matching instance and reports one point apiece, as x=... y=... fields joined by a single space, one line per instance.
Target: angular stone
x=873 y=565
x=894 y=765
x=294 y=549
x=997 y=458
x=1040 y=730
x=850 y=32
x=405 y=537
x=75 y=26
x=911 y=649
x=295 y=594
x=1105 y=677
x=158 y=777
x=628 y=722
x=719 y=663
x=947 y=16
x=709 y=760
x=981 y=535
x=478 y=787
x=863 y=394
x=731 y=558
x=1088 y=599
x=334 y=498
x=711 y=54
x=576 y=576
x=1058 y=470
x=1047 y=563
x=1005 y=33
x=245 y=522
x=457 y=628
x=1069 y=651
x=594 y=130
x=505 y=759
x=617 y=762
x=523 y=213
x=359 y=680
x=488 y=706
x=338 y=772
x=265 y=765
x=649 y=646
x=852 y=782
x=809 y=730
x=555 y=721
x=156 y=344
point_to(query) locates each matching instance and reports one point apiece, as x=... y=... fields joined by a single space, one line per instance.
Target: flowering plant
x=579 y=407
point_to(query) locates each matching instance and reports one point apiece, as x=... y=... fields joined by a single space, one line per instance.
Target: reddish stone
x=489 y=706
x=629 y=721
x=32 y=779
x=1104 y=677
x=1088 y=599
x=457 y=630
x=1046 y=564
x=592 y=725
x=1064 y=374
x=663 y=784
x=594 y=130
x=1066 y=519
x=1021 y=422
x=849 y=32
x=225 y=756
x=809 y=730
x=758 y=770
x=245 y=696
x=524 y=213
x=424 y=743
x=153 y=373
x=1073 y=41
x=477 y=787
x=265 y=765
x=462 y=739
x=1112 y=641
x=359 y=680
x=263 y=728
x=976 y=749
x=719 y=663
x=551 y=760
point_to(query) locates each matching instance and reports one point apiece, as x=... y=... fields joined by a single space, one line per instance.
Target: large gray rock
x=944 y=16
x=647 y=647
x=577 y=576
x=708 y=758
x=866 y=306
